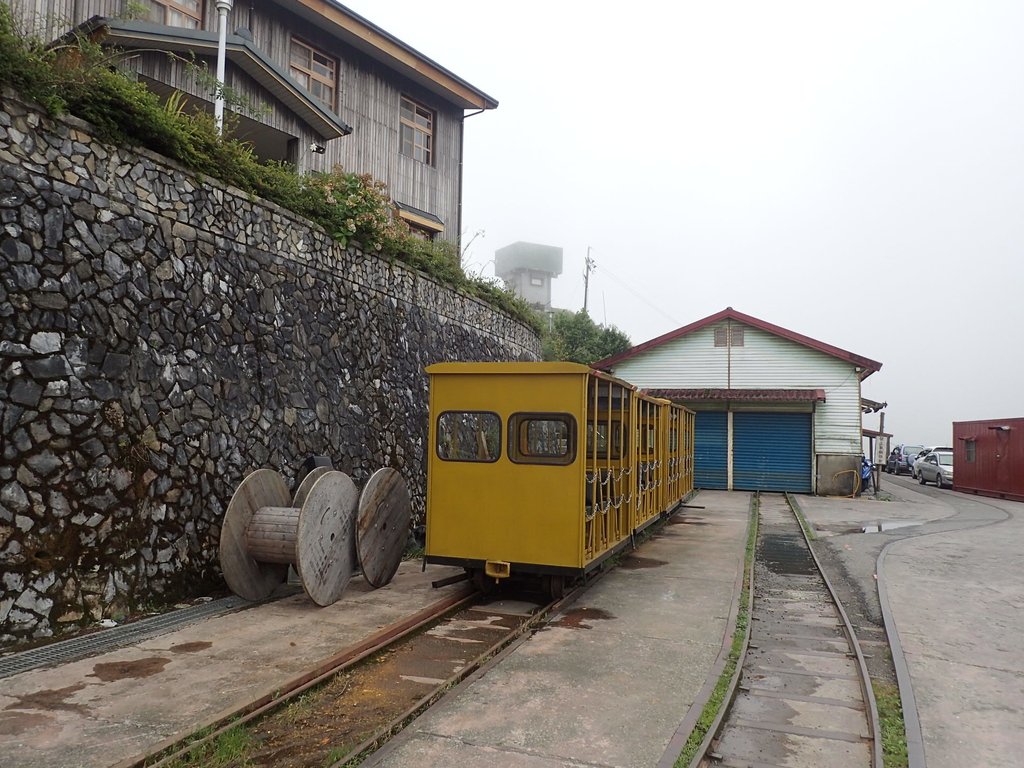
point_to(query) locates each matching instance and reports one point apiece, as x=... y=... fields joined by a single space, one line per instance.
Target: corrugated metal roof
x=742 y=395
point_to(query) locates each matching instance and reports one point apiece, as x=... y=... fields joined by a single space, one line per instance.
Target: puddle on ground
x=688 y=521
x=50 y=700
x=199 y=645
x=888 y=525
x=577 y=618
x=122 y=670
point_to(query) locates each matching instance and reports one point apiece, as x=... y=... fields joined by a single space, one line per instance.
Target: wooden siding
x=369 y=96
x=766 y=361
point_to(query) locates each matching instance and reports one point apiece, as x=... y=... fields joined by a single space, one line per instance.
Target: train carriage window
x=542 y=438
x=469 y=436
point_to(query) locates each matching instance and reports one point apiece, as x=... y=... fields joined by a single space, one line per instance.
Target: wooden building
x=776 y=410
x=326 y=86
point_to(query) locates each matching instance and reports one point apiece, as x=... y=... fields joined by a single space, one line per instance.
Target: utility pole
x=591 y=265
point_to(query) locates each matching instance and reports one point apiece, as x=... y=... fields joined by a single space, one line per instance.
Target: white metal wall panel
x=765 y=361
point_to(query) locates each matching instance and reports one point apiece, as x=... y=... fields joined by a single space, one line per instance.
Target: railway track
x=352 y=704
x=804 y=697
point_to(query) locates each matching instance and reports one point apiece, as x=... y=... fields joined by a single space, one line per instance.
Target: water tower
x=528 y=269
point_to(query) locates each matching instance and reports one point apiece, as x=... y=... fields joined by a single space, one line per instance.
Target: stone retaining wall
x=163 y=335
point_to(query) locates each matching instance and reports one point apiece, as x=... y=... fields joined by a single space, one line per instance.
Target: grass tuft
x=890 y=717
x=717 y=699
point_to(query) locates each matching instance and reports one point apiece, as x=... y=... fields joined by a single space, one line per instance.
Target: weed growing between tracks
x=890 y=722
x=714 y=705
x=807 y=527
x=231 y=748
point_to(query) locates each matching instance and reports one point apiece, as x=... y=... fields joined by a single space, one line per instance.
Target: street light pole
x=223 y=7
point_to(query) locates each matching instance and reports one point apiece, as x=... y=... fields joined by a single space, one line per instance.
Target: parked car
x=902 y=458
x=936 y=467
x=925 y=452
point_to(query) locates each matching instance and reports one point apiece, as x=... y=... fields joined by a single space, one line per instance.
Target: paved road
x=955 y=583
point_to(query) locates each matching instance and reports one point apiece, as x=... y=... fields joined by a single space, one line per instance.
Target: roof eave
x=387 y=49
x=866 y=365
x=131 y=35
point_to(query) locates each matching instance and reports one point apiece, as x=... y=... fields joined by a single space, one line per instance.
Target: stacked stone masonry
x=162 y=335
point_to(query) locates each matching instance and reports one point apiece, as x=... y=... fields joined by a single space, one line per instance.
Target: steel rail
x=851 y=637
x=677 y=743
x=482 y=662
x=908 y=701
x=871 y=708
x=226 y=720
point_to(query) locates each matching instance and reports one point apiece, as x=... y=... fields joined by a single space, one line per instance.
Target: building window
x=316 y=72
x=469 y=436
x=729 y=336
x=417 y=131
x=970 y=447
x=538 y=281
x=542 y=438
x=177 y=13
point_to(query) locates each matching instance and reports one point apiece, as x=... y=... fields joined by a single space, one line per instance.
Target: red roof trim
x=745 y=395
x=870 y=366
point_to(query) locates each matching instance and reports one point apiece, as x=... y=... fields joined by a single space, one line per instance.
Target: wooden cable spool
x=382 y=526
x=265 y=531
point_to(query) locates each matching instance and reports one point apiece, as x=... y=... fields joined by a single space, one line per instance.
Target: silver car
x=922 y=454
x=936 y=467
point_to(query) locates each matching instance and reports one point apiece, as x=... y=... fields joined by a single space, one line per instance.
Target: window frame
x=729 y=336
x=520 y=419
x=311 y=74
x=437 y=437
x=430 y=131
x=970 y=450
x=171 y=6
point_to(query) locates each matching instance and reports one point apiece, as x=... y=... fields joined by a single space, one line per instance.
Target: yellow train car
x=545 y=468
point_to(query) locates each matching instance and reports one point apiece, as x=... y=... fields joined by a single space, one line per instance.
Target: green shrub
x=81 y=77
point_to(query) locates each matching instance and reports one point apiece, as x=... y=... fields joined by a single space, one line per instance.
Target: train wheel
x=484 y=583
x=555 y=586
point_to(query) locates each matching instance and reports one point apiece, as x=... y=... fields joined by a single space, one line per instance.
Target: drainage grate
x=116 y=637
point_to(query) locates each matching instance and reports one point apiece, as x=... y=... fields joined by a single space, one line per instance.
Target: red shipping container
x=988 y=457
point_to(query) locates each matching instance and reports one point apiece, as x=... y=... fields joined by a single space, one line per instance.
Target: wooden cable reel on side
x=317 y=531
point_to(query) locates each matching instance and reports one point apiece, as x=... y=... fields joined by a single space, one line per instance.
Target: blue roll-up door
x=710 y=444
x=771 y=452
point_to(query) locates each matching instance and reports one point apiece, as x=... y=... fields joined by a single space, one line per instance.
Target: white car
x=920 y=457
x=936 y=467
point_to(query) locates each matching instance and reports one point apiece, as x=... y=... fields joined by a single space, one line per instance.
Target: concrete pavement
x=609 y=681
x=99 y=711
x=955 y=587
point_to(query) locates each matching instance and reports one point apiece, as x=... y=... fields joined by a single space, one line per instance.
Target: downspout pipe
x=223 y=8
x=462 y=154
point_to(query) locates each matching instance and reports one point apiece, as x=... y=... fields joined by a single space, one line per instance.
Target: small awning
x=420 y=218
x=741 y=395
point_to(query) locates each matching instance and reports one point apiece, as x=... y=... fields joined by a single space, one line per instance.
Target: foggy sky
x=850 y=171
